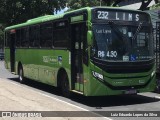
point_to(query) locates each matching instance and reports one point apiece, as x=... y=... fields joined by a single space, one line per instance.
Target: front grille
x=124 y=67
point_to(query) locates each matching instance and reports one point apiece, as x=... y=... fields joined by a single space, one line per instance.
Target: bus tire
x=21 y=74
x=65 y=86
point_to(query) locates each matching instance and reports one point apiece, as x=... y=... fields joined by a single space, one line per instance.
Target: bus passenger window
x=34 y=36
x=24 y=37
x=61 y=34
x=46 y=35
x=7 y=39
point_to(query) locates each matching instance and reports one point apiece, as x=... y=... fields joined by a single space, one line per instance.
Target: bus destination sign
x=119 y=15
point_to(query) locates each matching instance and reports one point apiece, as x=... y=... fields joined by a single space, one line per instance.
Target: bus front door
x=12 y=52
x=77 y=33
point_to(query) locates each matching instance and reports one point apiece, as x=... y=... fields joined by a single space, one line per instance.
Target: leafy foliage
x=17 y=11
x=85 y=3
x=156 y=6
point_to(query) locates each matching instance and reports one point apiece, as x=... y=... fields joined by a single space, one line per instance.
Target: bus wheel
x=65 y=86
x=21 y=75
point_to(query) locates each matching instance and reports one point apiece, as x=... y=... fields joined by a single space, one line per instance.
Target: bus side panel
x=35 y=64
x=94 y=87
x=63 y=61
x=22 y=56
x=43 y=64
x=86 y=73
x=7 y=59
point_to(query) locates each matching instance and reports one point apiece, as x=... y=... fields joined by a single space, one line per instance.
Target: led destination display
x=121 y=15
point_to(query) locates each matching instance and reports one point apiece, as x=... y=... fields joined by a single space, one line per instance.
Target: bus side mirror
x=90 y=38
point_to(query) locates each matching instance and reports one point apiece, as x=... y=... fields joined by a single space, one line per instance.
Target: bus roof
x=35 y=21
x=54 y=17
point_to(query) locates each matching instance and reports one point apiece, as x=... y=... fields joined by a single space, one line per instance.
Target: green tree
x=84 y=3
x=17 y=11
x=90 y=3
x=156 y=6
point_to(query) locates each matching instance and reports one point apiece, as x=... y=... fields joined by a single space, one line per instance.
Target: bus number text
x=102 y=15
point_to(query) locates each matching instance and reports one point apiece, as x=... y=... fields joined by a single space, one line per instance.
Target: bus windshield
x=122 y=42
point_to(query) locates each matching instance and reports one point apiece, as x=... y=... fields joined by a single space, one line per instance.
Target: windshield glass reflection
x=123 y=43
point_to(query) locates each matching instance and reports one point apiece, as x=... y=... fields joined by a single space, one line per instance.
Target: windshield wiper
x=137 y=31
x=116 y=29
x=126 y=44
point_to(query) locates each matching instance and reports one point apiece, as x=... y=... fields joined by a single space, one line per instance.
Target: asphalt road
x=34 y=96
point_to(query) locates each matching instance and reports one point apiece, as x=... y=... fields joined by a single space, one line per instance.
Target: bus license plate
x=131 y=92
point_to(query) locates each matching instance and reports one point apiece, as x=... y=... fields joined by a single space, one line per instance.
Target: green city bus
x=93 y=51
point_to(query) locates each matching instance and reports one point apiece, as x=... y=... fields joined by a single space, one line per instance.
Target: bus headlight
x=97 y=75
x=152 y=74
